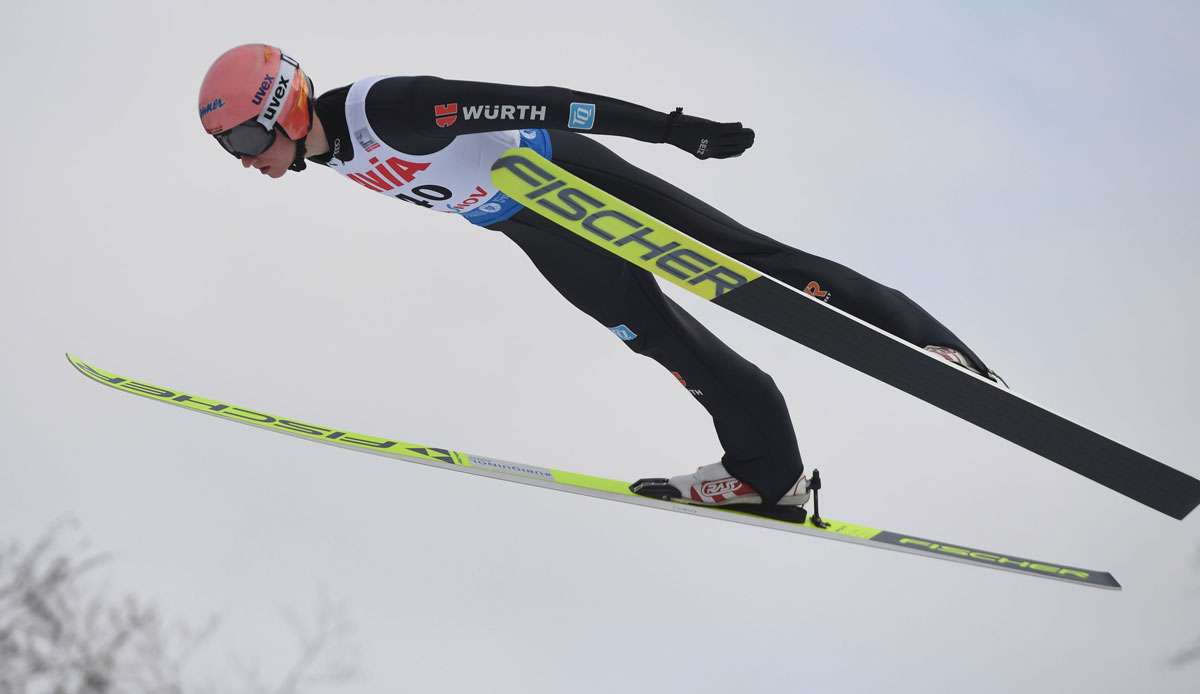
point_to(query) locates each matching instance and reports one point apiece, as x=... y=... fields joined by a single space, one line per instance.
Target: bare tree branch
x=60 y=636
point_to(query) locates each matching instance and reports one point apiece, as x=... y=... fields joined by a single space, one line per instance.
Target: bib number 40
x=426 y=195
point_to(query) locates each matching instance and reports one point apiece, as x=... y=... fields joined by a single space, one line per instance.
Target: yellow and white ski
x=576 y=483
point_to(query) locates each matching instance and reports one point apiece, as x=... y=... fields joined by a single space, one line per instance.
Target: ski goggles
x=248 y=139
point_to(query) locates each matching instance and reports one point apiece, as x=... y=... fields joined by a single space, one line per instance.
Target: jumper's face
x=275 y=160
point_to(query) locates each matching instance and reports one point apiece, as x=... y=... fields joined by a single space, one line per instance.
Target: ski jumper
x=431 y=142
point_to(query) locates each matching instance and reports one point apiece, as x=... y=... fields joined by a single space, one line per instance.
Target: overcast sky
x=1025 y=172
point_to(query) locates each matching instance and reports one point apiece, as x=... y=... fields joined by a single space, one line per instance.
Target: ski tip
x=77 y=363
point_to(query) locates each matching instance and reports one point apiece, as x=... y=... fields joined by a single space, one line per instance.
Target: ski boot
x=712 y=485
x=959 y=359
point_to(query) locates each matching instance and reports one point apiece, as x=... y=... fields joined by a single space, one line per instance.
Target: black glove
x=703 y=138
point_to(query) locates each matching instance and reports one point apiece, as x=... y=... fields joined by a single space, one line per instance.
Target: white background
x=1027 y=173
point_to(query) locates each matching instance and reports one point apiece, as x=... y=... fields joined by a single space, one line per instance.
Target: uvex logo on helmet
x=272 y=109
x=274 y=102
x=263 y=88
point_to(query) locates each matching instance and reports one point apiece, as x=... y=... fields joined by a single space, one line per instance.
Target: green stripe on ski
x=597 y=216
x=575 y=482
x=600 y=484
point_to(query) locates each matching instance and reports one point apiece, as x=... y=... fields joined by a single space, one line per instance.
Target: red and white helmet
x=255 y=88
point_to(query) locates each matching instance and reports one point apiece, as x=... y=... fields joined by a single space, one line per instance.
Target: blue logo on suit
x=622 y=331
x=583 y=116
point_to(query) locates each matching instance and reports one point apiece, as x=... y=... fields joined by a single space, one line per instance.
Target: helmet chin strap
x=298 y=163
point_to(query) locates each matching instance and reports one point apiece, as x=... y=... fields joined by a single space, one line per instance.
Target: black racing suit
x=749 y=413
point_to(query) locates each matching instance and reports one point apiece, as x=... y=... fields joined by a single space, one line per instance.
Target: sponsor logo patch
x=504 y=112
x=262 y=419
x=263 y=88
x=511 y=468
x=445 y=115
x=624 y=230
x=990 y=558
x=274 y=98
x=363 y=135
x=393 y=173
x=725 y=486
x=583 y=116
x=211 y=106
x=814 y=289
x=622 y=331
x=272 y=109
x=475 y=196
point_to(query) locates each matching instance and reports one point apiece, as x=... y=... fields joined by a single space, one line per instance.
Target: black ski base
x=792 y=314
x=660 y=488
